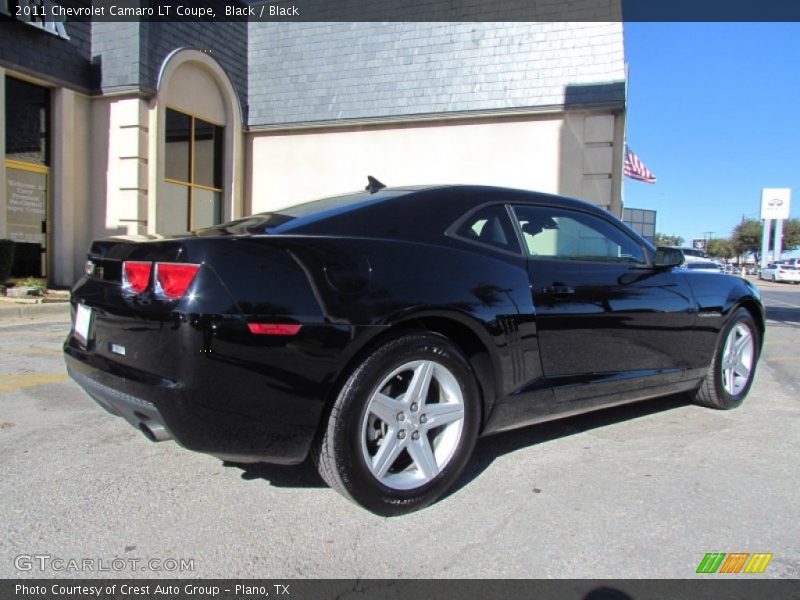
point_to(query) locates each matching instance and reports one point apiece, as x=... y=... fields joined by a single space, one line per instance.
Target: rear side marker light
x=173 y=279
x=136 y=276
x=273 y=328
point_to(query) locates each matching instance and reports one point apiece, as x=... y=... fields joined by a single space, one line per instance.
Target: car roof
x=421 y=213
x=399 y=209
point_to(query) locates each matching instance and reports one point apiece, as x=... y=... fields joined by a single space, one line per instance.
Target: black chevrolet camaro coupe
x=382 y=332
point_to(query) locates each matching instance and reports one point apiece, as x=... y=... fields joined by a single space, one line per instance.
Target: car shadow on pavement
x=487 y=449
x=303 y=475
x=494 y=446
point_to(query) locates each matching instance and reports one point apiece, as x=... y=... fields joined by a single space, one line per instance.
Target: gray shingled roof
x=306 y=72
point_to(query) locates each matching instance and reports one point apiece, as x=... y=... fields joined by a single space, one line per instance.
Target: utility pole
x=707 y=236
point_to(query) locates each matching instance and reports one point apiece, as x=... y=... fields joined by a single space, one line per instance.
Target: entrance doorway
x=27 y=162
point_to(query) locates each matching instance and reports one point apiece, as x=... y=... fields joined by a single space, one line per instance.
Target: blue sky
x=714 y=113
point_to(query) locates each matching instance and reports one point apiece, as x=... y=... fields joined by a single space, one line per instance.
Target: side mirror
x=668 y=257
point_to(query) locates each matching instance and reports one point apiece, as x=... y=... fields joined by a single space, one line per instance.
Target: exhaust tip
x=155 y=432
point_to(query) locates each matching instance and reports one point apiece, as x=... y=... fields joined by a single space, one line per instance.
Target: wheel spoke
x=389 y=450
x=741 y=343
x=442 y=414
x=730 y=378
x=385 y=407
x=742 y=370
x=728 y=350
x=422 y=454
x=420 y=383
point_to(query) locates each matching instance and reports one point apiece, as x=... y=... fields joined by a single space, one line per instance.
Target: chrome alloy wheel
x=738 y=356
x=412 y=425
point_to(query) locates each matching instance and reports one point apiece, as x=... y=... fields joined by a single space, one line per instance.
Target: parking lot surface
x=644 y=490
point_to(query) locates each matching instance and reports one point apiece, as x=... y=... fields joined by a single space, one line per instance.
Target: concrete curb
x=21 y=313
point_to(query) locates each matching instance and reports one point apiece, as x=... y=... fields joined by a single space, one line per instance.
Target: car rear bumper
x=140 y=413
x=163 y=410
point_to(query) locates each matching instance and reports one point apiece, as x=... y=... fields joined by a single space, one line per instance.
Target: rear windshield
x=316 y=210
x=693 y=252
x=701 y=265
x=335 y=203
x=283 y=220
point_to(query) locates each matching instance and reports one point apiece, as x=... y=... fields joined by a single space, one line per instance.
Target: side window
x=574 y=235
x=490 y=226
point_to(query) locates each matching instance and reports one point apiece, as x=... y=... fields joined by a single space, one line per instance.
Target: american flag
x=635 y=169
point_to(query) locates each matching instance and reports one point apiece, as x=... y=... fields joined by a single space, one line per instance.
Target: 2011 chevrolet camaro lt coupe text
x=382 y=332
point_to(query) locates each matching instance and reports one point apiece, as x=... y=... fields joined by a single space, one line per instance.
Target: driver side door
x=604 y=315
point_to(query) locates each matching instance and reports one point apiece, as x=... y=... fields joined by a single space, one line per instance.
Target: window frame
x=452 y=231
x=191 y=185
x=47 y=145
x=648 y=259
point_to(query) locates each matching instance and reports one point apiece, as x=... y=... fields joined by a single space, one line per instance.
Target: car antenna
x=373 y=185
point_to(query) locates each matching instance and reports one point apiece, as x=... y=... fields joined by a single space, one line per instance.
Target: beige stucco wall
x=70 y=184
x=192 y=89
x=570 y=154
x=126 y=166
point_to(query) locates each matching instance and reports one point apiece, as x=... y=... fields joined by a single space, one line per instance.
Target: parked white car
x=780 y=272
x=702 y=265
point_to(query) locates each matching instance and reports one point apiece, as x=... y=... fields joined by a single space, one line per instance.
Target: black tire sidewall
x=353 y=471
x=726 y=399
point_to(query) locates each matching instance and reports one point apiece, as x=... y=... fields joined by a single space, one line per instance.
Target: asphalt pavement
x=644 y=490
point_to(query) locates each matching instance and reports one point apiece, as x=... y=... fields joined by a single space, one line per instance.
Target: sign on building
x=42 y=14
x=26 y=205
x=775 y=203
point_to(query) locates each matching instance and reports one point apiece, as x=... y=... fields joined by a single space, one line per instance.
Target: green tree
x=791 y=234
x=720 y=248
x=662 y=239
x=746 y=238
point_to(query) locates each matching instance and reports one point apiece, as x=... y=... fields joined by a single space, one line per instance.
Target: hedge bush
x=6 y=259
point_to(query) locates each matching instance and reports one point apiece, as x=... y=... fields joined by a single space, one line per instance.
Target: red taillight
x=273 y=328
x=136 y=276
x=173 y=279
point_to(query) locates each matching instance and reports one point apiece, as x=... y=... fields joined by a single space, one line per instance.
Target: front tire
x=402 y=427
x=733 y=367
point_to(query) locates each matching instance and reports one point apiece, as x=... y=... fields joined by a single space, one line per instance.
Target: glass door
x=27 y=145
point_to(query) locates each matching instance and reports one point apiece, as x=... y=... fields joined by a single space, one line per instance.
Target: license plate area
x=83 y=324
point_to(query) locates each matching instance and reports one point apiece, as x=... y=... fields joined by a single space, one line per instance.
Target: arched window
x=197 y=172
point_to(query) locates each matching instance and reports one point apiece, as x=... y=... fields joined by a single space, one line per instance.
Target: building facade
x=156 y=128
x=642 y=221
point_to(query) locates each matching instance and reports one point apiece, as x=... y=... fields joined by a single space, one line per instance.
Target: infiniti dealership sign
x=775 y=203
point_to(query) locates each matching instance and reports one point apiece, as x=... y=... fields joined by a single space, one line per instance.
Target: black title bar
x=733 y=588
x=402 y=10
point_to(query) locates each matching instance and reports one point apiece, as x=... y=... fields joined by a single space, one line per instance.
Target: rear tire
x=403 y=426
x=733 y=367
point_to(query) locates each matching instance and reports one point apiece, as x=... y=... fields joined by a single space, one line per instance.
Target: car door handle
x=559 y=291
